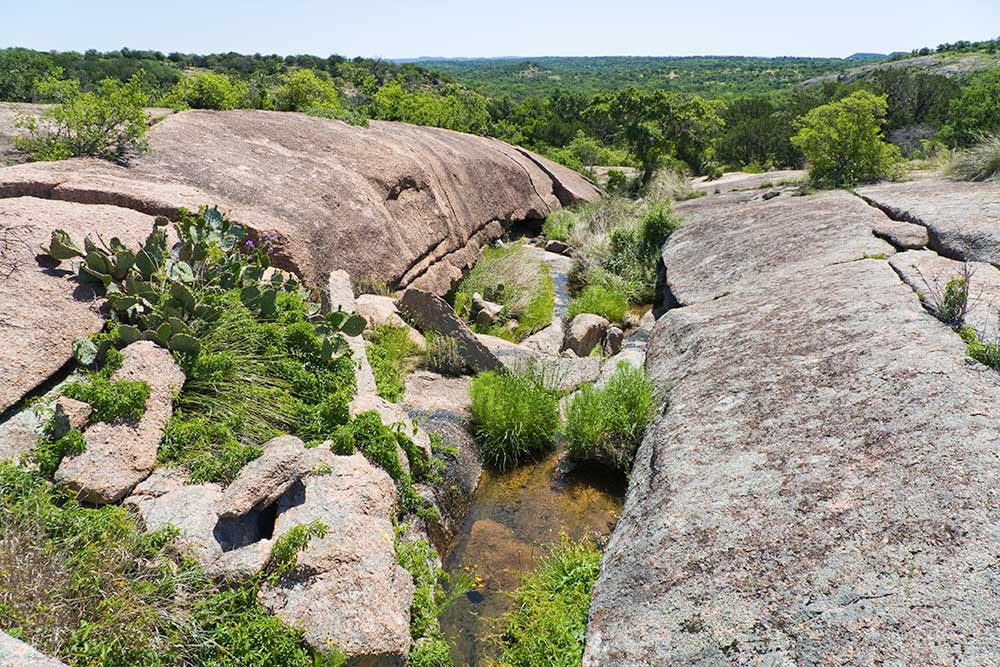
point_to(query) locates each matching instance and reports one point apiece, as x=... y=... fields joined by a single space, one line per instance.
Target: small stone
x=613 y=341
x=264 y=479
x=584 y=332
x=486 y=312
x=557 y=247
x=69 y=414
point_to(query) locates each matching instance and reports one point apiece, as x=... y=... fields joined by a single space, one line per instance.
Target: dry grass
x=979 y=163
x=671 y=184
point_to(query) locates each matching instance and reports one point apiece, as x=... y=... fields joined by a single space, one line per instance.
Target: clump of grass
x=979 y=163
x=515 y=415
x=444 y=355
x=286 y=550
x=86 y=586
x=520 y=283
x=559 y=225
x=110 y=400
x=209 y=449
x=434 y=591
x=548 y=624
x=372 y=285
x=609 y=302
x=672 y=184
x=388 y=348
x=607 y=425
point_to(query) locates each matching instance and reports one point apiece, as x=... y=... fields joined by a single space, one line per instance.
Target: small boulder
x=430 y=312
x=122 y=453
x=381 y=310
x=69 y=414
x=264 y=479
x=558 y=247
x=487 y=312
x=613 y=341
x=584 y=332
x=340 y=291
x=547 y=341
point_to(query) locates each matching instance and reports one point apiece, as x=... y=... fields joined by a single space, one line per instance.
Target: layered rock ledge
x=823 y=487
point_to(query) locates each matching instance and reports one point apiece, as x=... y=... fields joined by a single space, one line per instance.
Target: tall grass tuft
x=606 y=425
x=979 y=163
x=609 y=302
x=515 y=416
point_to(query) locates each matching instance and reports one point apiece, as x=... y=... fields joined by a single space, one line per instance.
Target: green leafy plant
x=307 y=90
x=388 y=349
x=110 y=400
x=207 y=90
x=558 y=225
x=209 y=449
x=107 y=123
x=286 y=550
x=49 y=453
x=549 y=621
x=606 y=425
x=515 y=416
x=844 y=144
x=609 y=302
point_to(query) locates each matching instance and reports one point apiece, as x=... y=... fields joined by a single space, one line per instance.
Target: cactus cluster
x=158 y=292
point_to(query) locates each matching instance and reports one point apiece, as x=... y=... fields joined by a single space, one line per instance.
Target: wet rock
x=323 y=190
x=121 y=454
x=555 y=246
x=15 y=653
x=347 y=588
x=584 y=333
x=798 y=462
x=962 y=219
x=613 y=341
x=69 y=414
x=264 y=479
x=431 y=313
x=42 y=307
x=486 y=312
x=507 y=557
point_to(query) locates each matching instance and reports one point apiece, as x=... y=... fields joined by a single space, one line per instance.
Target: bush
x=209 y=449
x=444 y=355
x=606 y=425
x=109 y=123
x=548 y=624
x=521 y=284
x=305 y=90
x=110 y=400
x=207 y=90
x=558 y=225
x=974 y=110
x=611 y=303
x=979 y=163
x=387 y=351
x=844 y=144
x=515 y=416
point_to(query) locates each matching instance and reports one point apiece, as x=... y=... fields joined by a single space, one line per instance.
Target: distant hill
x=867 y=56
x=714 y=76
x=949 y=64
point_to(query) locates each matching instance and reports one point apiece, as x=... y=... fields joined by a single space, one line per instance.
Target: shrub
x=209 y=449
x=844 y=144
x=109 y=123
x=558 y=225
x=110 y=400
x=444 y=355
x=305 y=90
x=549 y=621
x=974 y=110
x=606 y=425
x=207 y=90
x=515 y=416
x=50 y=453
x=520 y=283
x=387 y=351
x=609 y=302
x=979 y=163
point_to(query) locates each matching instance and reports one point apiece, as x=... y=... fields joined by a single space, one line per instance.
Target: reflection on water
x=514 y=517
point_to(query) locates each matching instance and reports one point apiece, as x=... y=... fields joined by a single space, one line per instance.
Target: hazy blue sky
x=394 y=29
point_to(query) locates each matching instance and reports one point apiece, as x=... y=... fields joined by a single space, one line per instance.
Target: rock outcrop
x=822 y=487
x=15 y=653
x=429 y=312
x=122 y=453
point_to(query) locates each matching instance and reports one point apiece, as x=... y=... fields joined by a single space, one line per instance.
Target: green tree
x=208 y=90
x=19 y=69
x=109 y=123
x=974 y=111
x=843 y=141
x=757 y=131
x=656 y=124
x=305 y=90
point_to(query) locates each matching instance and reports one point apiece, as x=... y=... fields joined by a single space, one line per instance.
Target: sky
x=453 y=28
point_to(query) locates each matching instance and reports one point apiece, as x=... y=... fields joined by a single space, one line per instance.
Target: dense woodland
x=701 y=114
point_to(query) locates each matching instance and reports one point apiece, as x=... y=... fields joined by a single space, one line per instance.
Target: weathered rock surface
x=42 y=307
x=822 y=488
x=432 y=313
x=122 y=453
x=737 y=180
x=69 y=414
x=585 y=332
x=486 y=312
x=381 y=311
x=15 y=653
x=266 y=478
x=962 y=219
x=902 y=235
x=928 y=273
x=322 y=190
x=347 y=588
